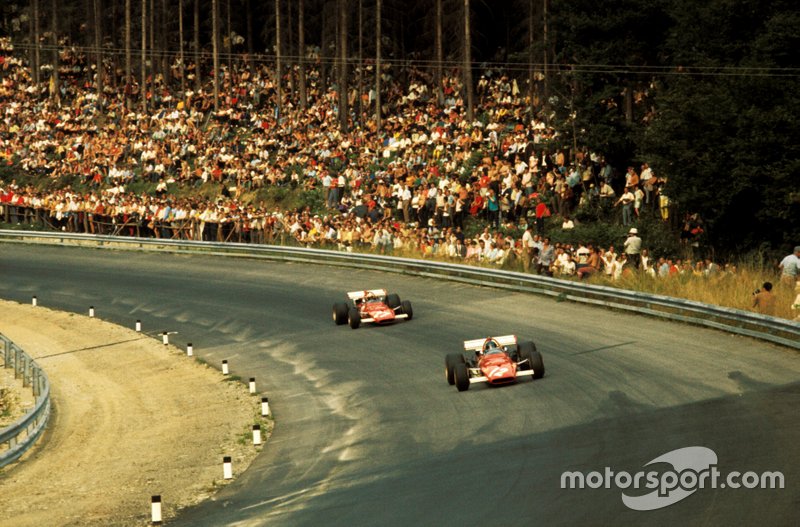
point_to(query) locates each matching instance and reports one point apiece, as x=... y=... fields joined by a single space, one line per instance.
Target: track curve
x=367 y=430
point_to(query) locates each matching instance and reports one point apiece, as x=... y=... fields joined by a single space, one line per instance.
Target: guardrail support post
x=26 y=372
x=6 y=353
x=17 y=360
x=35 y=381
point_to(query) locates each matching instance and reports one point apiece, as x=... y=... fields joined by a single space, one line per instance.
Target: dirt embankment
x=132 y=418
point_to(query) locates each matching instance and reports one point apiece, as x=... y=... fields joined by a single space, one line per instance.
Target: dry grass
x=729 y=289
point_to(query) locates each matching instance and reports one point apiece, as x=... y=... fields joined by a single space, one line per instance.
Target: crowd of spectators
x=409 y=187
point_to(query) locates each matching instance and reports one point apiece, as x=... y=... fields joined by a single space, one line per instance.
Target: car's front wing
x=483 y=378
x=404 y=315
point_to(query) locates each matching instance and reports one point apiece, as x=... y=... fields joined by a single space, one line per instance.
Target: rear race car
x=371 y=306
x=494 y=361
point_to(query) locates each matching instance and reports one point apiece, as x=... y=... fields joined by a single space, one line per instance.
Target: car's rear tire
x=393 y=300
x=450 y=362
x=340 y=313
x=354 y=318
x=406 y=308
x=461 y=376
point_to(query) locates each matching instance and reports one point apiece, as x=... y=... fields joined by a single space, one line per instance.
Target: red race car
x=493 y=360
x=374 y=305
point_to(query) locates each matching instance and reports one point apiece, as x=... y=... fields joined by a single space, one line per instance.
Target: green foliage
x=728 y=143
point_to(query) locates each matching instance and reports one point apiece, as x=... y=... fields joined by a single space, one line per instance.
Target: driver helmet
x=490 y=345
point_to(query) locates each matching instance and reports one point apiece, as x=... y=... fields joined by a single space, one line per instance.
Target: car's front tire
x=461 y=376
x=525 y=351
x=406 y=308
x=354 y=318
x=450 y=362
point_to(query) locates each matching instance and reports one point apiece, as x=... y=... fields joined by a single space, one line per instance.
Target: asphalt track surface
x=369 y=433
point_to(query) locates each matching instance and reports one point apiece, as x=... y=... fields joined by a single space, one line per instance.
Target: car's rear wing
x=477 y=344
x=358 y=295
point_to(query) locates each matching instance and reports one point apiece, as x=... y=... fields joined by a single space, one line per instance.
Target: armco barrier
x=23 y=433
x=771 y=329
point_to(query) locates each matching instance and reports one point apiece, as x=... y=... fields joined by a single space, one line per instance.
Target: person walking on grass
x=790 y=267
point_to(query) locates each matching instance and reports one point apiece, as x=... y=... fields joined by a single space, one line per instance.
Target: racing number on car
x=497 y=371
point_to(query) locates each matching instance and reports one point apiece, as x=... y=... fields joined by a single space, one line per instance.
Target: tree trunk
x=378 y=9
x=628 y=93
x=545 y=41
x=468 y=63
x=35 y=38
x=54 y=28
x=342 y=83
x=127 y=52
x=249 y=34
x=229 y=33
x=98 y=43
x=163 y=40
x=215 y=49
x=153 y=61
x=439 y=54
x=289 y=42
x=143 y=83
x=360 y=60
x=531 y=78
x=301 y=43
x=181 y=58
x=278 y=72
x=197 y=81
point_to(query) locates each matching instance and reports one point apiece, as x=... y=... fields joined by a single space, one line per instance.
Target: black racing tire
x=354 y=318
x=450 y=362
x=461 y=376
x=538 y=365
x=393 y=300
x=406 y=308
x=340 y=313
x=525 y=351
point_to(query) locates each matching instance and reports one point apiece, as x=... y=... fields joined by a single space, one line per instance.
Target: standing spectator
x=542 y=212
x=546 y=257
x=493 y=207
x=527 y=248
x=796 y=303
x=764 y=300
x=648 y=182
x=626 y=200
x=326 y=188
x=633 y=247
x=790 y=266
x=638 y=196
x=333 y=190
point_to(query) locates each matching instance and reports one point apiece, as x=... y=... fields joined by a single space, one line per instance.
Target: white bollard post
x=91 y=311
x=225 y=367
x=165 y=338
x=264 y=406
x=34 y=301
x=256 y=434
x=252 y=385
x=189 y=350
x=227 y=469
x=155 y=510
x=138 y=326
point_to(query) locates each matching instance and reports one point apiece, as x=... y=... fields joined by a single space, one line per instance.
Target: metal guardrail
x=771 y=329
x=23 y=433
